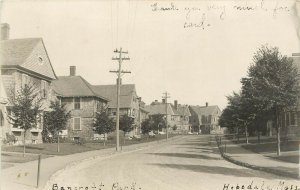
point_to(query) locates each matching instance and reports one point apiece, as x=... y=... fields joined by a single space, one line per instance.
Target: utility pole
x=119 y=72
x=166 y=96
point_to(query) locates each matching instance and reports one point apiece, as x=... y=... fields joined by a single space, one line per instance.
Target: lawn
x=71 y=148
x=266 y=147
x=9 y=159
x=272 y=147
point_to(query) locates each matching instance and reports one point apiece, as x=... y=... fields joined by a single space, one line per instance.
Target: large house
x=205 y=119
x=24 y=61
x=82 y=101
x=129 y=102
x=177 y=115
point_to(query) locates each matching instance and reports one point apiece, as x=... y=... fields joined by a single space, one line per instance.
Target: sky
x=196 y=50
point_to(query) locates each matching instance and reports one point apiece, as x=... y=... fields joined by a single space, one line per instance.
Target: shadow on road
x=202 y=151
x=182 y=155
x=196 y=144
x=219 y=170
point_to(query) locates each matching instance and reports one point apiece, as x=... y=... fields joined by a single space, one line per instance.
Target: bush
x=10 y=139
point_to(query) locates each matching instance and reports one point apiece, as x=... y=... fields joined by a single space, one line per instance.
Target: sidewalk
x=263 y=162
x=24 y=176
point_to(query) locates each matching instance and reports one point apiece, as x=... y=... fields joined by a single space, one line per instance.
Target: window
x=25 y=80
x=65 y=101
x=99 y=105
x=1 y=118
x=172 y=117
x=77 y=123
x=43 y=89
x=39 y=121
x=293 y=118
x=129 y=112
x=76 y=103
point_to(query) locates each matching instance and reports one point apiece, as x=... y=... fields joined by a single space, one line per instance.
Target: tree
x=25 y=108
x=226 y=120
x=147 y=126
x=174 y=127
x=126 y=124
x=158 y=122
x=103 y=124
x=274 y=81
x=56 y=120
x=240 y=112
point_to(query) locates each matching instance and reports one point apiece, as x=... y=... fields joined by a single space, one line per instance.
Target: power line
x=133 y=27
x=111 y=24
x=128 y=23
x=117 y=22
x=120 y=59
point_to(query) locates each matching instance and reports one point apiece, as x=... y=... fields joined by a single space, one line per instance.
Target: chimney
x=176 y=104
x=72 y=70
x=4 y=31
x=206 y=104
x=120 y=81
x=163 y=101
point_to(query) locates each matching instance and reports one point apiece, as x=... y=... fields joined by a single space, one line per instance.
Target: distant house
x=129 y=102
x=79 y=97
x=182 y=120
x=205 y=118
x=24 y=61
x=161 y=108
x=177 y=115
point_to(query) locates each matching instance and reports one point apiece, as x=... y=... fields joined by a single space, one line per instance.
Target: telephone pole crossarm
x=120 y=72
x=118 y=59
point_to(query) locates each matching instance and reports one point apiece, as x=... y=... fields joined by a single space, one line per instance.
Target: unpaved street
x=191 y=162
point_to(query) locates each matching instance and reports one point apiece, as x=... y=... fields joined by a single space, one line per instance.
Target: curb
x=254 y=167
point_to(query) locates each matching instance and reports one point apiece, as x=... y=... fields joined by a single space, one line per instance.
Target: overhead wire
x=133 y=27
x=111 y=24
x=128 y=24
x=117 y=23
x=131 y=37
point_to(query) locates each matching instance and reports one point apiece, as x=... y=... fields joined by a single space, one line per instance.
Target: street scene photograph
x=150 y=95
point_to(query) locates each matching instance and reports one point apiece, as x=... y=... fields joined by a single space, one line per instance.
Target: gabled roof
x=160 y=109
x=183 y=110
x=74 y=86
x=127 y=92
x=27 y=54
x=206 y=110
